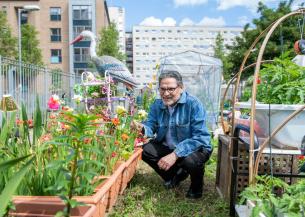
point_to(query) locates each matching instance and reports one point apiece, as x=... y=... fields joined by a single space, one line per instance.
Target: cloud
x=250 y=4
x=152 y=21
x=243 y=20
x=179 y=3
x=207 y=21
x=168 y=21
x=297 y=4
x=186 y=22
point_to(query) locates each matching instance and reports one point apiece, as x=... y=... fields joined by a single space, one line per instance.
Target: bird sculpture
x=107 y=64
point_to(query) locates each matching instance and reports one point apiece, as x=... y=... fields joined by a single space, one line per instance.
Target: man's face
x=170 y=91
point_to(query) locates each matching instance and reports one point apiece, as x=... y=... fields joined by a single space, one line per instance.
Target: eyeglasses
x=169 y=90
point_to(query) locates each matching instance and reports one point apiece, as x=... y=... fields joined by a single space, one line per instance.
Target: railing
x=31 y=81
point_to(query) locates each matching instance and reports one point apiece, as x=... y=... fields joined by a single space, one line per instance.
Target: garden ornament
x=299 y=46
x=8 y=104
x=116 y=69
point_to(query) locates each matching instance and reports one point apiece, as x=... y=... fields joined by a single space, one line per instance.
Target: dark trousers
x=193 y=163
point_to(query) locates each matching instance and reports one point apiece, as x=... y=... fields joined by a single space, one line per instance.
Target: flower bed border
x=104 y=196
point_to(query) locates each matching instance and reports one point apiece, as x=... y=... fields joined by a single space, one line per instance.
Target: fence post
x=0 y=65
x=44 y=101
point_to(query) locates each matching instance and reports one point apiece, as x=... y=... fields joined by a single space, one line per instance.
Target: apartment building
x=129 y=54
x=117 y=16
x=150 y=43
x=57 y=23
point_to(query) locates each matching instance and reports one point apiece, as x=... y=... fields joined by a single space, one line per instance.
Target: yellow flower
x=120 y=110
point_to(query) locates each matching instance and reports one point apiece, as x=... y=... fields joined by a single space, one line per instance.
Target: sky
x=191 y=12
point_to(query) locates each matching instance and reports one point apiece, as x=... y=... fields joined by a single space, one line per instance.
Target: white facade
x=117 y=16
x=150 y=43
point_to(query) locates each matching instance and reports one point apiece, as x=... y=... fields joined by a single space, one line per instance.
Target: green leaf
x=4 y=133
x=12 y=185
x=38 y=127
x=60 y=214
x=9 y=163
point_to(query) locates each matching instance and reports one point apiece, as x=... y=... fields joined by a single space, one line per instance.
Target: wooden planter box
x=46 y=209
x=99 y=198
x=105 y=195
x=130 y=168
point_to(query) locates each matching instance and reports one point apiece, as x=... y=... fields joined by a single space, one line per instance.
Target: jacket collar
x=181 y=100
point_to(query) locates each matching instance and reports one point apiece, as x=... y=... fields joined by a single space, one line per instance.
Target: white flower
x=78 y=98
x=142 y=114
x=90 y=76
x=95 y=94
x=55 y=97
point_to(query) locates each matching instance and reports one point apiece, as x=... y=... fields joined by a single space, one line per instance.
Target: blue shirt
x=169 y=140
x=188 y=125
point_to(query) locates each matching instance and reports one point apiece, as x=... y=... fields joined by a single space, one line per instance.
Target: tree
x=8 y=43
x=219 y=51
x=31 y=53
x=108 y=44
x=281 y=40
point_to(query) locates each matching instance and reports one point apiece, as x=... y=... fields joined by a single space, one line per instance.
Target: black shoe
x=181 y=175
x=192 y=194
x=175 y=181
x=170 y=184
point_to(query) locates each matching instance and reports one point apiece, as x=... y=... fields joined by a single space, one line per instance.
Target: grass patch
x=146 y=197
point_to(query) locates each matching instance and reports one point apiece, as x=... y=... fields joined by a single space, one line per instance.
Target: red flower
x=87 y=140
x=46 y=137
x=30 y=123
x=258 y=80
x=19 y=122
x=113 y=154
x=115 y=121
x=64 y=108
x=52 y=116
x=301 y=157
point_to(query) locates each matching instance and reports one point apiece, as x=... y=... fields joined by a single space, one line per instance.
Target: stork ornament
x=116 y=69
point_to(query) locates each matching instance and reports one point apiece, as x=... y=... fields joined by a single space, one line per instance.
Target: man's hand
x=167 y=161
x=137 y=126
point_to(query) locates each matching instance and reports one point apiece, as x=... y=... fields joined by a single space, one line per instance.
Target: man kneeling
x=181 y=141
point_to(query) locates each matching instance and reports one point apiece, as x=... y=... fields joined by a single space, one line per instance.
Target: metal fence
x=26 y=81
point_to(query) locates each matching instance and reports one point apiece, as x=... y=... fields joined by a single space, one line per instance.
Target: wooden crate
x=285 y=162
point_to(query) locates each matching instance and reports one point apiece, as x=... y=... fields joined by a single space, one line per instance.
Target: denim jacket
x=189 y=127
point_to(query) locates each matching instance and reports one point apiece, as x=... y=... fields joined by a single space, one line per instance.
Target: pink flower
x=100 y=133
x=53 y=102
x=139 y=142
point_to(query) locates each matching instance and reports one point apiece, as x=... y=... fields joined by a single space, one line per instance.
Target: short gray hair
x=171 y=74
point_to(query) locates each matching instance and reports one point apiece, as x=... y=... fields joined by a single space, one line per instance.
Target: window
x=78 y=29
x=82 y=12
x=56 y=56
x=78 y=72
x=55 y=34
x=24 y=17
x=55 y=14
x=4 y=9
x=81 y=54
